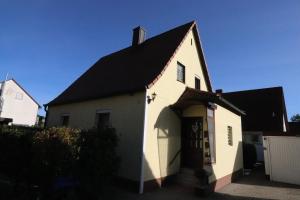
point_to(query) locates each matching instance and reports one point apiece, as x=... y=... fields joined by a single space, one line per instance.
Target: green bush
x=41 y=157
x=15 y=152
x=54 y=153
x=15 y=157
x=98 y=160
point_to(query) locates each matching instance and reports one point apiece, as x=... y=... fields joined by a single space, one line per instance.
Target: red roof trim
x=165 y=67
x=200 y=54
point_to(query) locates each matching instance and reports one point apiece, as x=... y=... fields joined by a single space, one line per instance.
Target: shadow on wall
x=236 y=171
x=168 y=134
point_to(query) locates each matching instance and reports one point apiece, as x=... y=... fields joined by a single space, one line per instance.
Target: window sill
x=181 y=81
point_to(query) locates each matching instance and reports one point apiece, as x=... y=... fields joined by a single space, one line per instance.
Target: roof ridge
x=254 y=90
x=149 y=39
x=172 y=29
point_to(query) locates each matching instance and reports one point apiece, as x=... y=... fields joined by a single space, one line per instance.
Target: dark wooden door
x=191 y=141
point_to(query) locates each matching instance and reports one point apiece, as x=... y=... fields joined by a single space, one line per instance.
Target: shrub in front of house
x=98 y=161
x=54 y=155
x=59 y=159
x=15 y=150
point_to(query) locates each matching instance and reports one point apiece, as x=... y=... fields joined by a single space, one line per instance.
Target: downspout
x=141 y=187
x=1 y=95
x=46 y=117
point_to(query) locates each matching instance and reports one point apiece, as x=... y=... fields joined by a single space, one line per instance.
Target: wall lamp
x=153 y=96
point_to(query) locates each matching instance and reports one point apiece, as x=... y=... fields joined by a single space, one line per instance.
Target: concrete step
x=187 y=177
x=187 y=180
x=187 y=171
x=203 y=190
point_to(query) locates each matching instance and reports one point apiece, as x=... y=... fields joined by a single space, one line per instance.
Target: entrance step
x=203 y=190
x=194 y=179
x=187 y=178
x=187 y=171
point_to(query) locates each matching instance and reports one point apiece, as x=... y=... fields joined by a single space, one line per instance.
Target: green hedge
x=98 y=160
x=42 y=157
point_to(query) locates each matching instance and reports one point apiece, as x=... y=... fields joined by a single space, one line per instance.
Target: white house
x=16 y=105
x=158 y=95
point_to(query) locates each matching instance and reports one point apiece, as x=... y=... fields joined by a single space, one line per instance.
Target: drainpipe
x=46 y=117
x=1 y=94
x=141 y=187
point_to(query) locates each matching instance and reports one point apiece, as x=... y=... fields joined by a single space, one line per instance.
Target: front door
x=192 y=142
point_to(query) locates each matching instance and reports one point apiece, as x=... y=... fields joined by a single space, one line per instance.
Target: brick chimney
x=219 y=92
x=139 y=35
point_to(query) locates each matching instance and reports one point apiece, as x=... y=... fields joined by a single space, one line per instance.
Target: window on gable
x=65 y=120
x=180 y=72
x=197 y=83
x=229 y=132
x=19 y=96
x=102 y=120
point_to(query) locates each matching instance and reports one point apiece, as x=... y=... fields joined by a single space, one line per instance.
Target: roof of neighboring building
x=193 y=96
x=294 y=127
x=265 y=108
x=131 y=69
x=22 y=89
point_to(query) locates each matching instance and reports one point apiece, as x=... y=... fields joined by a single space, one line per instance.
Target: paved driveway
x=254 y=187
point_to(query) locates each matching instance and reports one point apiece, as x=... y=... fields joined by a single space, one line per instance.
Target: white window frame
x=183 y=72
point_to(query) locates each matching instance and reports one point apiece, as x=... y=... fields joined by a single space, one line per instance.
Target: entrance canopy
x=195 y=97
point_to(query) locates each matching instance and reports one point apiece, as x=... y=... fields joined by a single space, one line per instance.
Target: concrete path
x=254 y=187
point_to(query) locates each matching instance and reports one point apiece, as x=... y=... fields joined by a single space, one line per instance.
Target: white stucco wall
x=18 y=105
x=228 y=158
x=163 y=133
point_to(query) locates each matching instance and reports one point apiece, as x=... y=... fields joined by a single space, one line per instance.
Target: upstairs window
x=180 y=72
x=102 y=120
x=65 y=120
x=19 y=96
x=229 y=132
x=197 y=83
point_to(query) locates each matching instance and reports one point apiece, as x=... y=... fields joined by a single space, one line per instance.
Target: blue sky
x=46 y=44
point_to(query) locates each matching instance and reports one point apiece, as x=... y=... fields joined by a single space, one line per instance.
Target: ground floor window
x=102 y=119
x=229 y=132
x=211 y=134
x=65 y=120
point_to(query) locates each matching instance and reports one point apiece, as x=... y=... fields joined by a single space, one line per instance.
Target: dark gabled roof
x=23 y=90
x=192 y=96
x=130 y=69
x=265 y=108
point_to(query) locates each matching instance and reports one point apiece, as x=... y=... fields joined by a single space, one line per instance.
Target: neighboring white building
x=17 y=104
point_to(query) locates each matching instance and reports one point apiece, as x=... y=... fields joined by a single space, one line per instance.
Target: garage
x=281 y=154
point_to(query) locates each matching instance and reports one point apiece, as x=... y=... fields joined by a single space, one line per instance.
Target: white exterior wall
x=229 y=158
x=163 y=131
x=18 y=105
